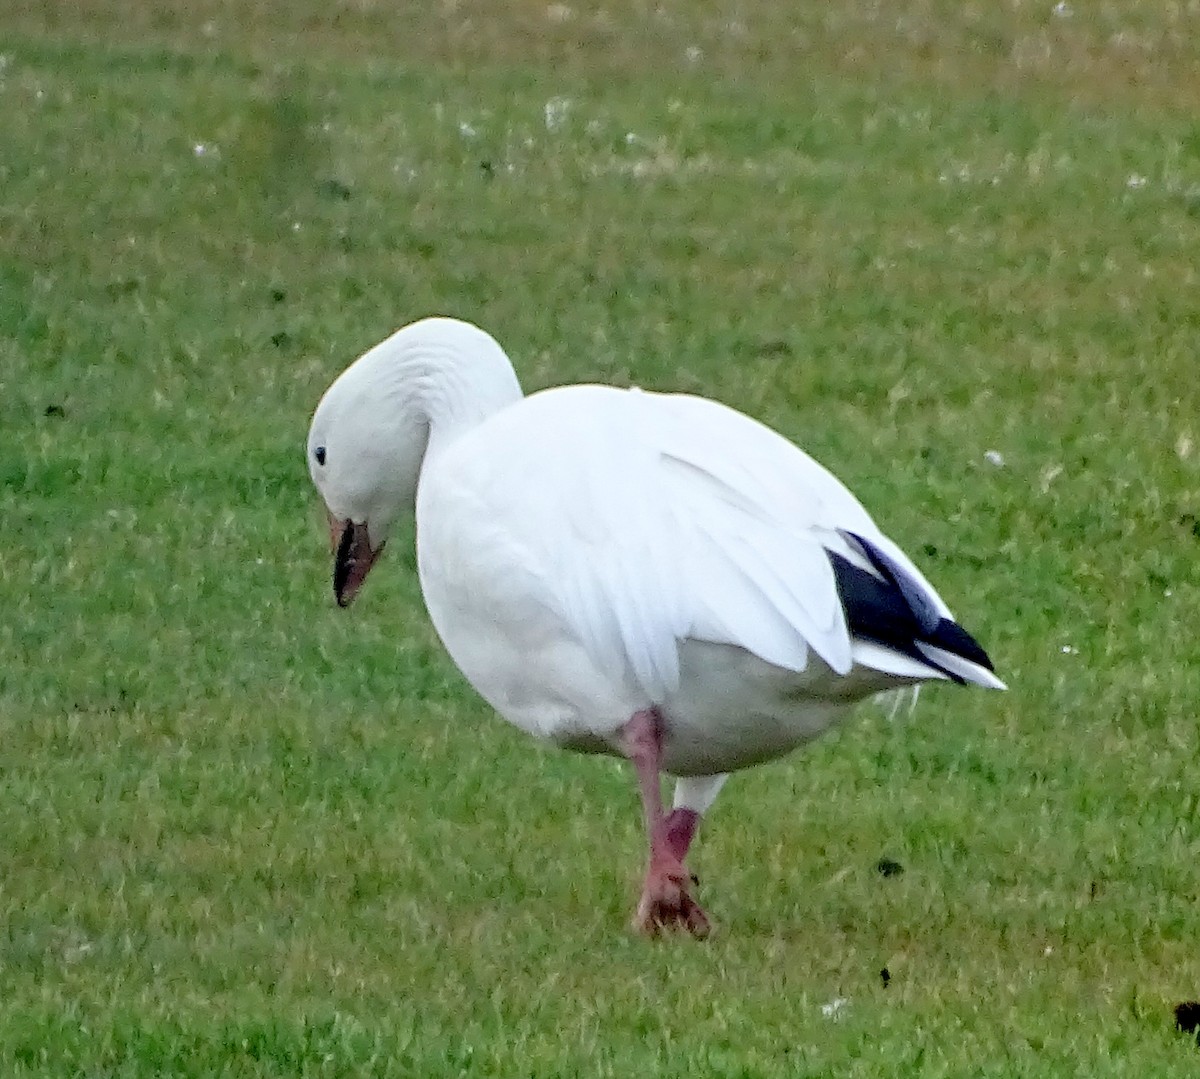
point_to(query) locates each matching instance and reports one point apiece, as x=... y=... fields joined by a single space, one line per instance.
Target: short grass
x=247 y=834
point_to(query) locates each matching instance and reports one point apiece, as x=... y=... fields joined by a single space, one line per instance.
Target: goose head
x=383 y=416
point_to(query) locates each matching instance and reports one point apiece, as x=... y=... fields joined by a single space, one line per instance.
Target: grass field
x=948 y=247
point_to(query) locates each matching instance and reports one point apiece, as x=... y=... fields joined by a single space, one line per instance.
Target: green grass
x=248 y=834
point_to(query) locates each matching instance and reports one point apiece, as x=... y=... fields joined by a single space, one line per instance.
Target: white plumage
x=590 y=555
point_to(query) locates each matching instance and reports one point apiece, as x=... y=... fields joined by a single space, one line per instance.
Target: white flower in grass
x=555 y=112
x=835 y=1007
x=1049 y=474
x=1135 y=181
x=994 y=457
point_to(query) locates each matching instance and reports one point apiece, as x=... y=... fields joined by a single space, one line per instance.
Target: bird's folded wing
x=652 y=519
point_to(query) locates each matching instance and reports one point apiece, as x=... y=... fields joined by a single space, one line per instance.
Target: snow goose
x=652 y=576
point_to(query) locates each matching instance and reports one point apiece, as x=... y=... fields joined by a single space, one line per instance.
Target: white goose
x=652 y=576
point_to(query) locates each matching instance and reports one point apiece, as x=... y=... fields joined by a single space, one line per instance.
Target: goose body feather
x=588 y=552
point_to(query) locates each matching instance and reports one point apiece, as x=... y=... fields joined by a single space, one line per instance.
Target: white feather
x=964 y=668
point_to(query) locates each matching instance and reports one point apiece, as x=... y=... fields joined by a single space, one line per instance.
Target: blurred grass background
x=249 y=834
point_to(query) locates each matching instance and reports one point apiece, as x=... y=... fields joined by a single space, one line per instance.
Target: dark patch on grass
x=885 y=976
x=278 y=295
x=334 y=190
x=930 y=550
x=887 y=867
x=116 y=289
x=106 y=703
x=281 y=339
x=14 y=474
x=1187 y=1018
x=486 y=167
x=56 y=412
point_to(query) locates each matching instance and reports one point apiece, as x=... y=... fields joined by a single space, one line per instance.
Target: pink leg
x=680 y=828
x=665 y=897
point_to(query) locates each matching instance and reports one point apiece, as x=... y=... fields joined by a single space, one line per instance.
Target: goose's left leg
x=693 y=797
x=666 y=900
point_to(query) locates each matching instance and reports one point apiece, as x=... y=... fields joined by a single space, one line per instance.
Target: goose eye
x=319 y=454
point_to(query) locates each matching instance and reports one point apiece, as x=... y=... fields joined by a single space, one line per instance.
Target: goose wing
x=641 y=520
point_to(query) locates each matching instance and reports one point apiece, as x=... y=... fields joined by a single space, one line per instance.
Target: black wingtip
x=951 y=637
x=919 y=603
x=892 y=609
